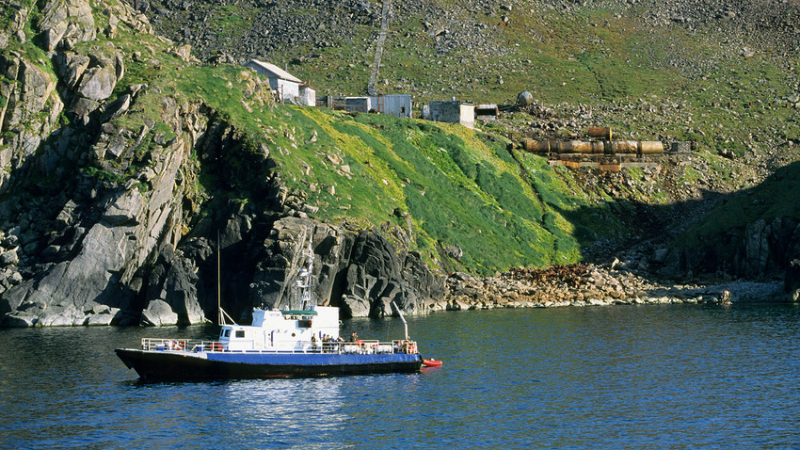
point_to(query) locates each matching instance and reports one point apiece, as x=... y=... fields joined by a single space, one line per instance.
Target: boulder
x=70 y=67
x=9 y=258
x=98 y=82
x=524 y=99
x=158 y=313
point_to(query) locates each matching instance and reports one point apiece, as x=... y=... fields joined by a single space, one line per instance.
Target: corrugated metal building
x=398 y=105
x=394 y=105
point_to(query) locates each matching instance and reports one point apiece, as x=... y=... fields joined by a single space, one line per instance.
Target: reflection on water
x=609 y=377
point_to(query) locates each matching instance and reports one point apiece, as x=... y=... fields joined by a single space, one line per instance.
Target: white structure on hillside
x=397 y=105
x=290 y=89
x=452 y=111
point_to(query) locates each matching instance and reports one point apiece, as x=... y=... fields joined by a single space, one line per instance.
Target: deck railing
x=358 y=347
x=190 y=345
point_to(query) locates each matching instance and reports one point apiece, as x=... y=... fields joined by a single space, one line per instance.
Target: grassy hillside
x=454 y=188
x=458 y=187
x=450 y=187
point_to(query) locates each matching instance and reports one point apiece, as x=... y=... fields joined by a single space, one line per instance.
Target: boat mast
x=304 y=281
x=220 y=312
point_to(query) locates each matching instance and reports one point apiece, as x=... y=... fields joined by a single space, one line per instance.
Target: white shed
x=453 y=112
x=290 y=89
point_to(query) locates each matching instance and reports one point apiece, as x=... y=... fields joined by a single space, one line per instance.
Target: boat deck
x=366 y=347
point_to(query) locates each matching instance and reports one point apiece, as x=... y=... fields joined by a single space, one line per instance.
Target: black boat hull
x=183 y=365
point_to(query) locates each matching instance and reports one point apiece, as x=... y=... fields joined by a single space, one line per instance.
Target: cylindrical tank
x=567 y=147
x=603 y=133
x=583 y=147
x=651 y=147
x=624 y=147
x=598 y=148
x=531 y=145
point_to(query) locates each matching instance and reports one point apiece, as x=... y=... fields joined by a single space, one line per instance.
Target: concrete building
x=453 y=111
x=290 y=89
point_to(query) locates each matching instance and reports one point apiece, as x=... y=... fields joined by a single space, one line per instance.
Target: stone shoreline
x=583 y=285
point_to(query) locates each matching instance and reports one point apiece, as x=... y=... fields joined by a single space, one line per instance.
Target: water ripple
x=671 y=377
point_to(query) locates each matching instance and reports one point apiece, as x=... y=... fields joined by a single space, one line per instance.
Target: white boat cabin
x=282 y=330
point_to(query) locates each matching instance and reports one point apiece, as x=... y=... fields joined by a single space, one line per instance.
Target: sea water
x=636 y=377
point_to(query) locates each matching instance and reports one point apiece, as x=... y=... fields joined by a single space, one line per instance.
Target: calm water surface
x=651 y=377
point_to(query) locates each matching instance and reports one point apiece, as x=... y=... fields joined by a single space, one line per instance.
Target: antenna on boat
x=304 y=281
x=405 y=324
x=220 y=317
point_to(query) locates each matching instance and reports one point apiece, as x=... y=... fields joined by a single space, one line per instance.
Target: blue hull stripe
x=310 y=359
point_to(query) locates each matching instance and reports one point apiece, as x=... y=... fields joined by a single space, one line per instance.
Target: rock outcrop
x=64 y=23
x=29 y=114
x=761 y=250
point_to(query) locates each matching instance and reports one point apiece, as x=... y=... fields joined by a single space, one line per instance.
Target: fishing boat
x=278 y=343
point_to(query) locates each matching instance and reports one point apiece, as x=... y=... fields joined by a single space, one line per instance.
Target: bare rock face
x=360 y=272
x=90 y=80
x=30 y=113
x=130 y=227
x=64 y=23
x=123 y=12
x=172 y=288
x=763 y=249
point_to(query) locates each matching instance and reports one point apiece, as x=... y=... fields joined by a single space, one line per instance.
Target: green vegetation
x=459 y=187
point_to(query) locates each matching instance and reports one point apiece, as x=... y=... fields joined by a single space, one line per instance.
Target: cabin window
x=226 y=333
x=305 y=323
x=239 y=333
x=402 y=110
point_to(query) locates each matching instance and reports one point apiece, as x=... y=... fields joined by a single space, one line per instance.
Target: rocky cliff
x=104 y=219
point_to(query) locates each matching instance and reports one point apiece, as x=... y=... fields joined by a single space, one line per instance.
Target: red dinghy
x=431 y=363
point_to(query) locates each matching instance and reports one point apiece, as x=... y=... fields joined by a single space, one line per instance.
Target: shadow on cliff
x=751 y=233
